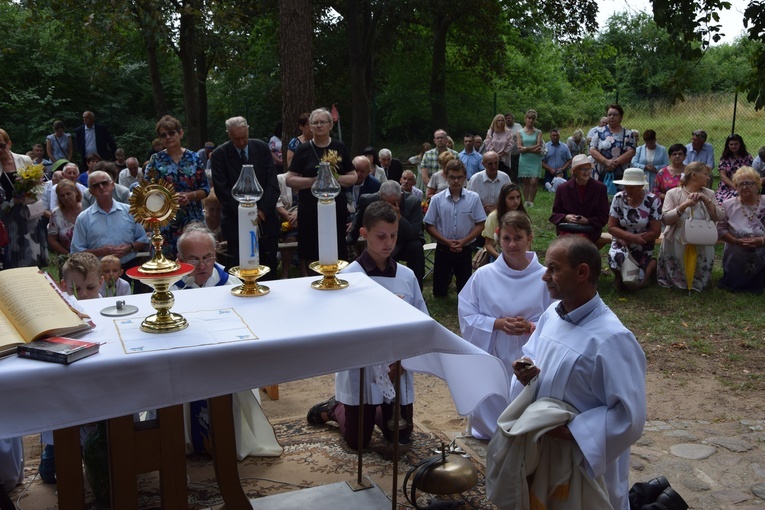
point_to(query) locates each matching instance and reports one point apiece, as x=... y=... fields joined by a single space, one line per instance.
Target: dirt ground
x=690 y=397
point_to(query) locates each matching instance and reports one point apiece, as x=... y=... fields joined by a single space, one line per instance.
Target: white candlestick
x=327 y=233
x=249 y=255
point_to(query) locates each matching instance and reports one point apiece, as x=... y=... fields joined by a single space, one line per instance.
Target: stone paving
x=712 y=465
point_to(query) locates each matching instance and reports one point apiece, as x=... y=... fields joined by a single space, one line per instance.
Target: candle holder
x=330 y=281
x=154 y=205
x=249 y=277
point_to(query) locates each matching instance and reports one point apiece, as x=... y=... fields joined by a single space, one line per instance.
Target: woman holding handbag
x=743 y=230
x=634 y=224
x=683 y=264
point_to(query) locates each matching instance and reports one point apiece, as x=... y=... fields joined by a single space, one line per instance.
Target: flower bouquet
x=27 y=186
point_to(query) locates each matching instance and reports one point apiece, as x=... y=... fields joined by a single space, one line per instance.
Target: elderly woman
x=499 y=139
x=734 y=156
x=28 y=238
x=743 y=230
x=501 y=326
x=581 y=204
x=301 y=176
x=183 y=171
x=576 y=143
x=634 y=224
x=612 y=146
x=669 y=176
x=690 y=200
x=438 y=182
x=650 y=157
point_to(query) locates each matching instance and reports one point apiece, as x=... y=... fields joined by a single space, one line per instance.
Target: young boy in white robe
x=380 y=230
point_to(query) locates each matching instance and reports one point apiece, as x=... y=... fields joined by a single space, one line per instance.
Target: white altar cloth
x=301 y=333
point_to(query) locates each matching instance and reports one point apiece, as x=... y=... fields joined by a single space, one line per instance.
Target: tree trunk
x=296 y=57
x=438 y=111
x=186 y=52
x=357 y=21
x=150 y=42
x=202 y=70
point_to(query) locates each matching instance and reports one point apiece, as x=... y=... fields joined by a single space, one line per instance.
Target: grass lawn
x=706 y=332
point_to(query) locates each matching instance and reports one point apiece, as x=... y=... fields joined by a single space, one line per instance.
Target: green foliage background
x=61 y=59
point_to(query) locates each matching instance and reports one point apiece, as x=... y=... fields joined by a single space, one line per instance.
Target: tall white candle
x=249 y=255
x=327 y=233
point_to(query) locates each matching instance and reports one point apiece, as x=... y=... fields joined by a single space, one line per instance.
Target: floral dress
x=186 y=175
x=728 y=166
x=635 y=221
x=665 y=181
x=610 y=146
x=743 y=268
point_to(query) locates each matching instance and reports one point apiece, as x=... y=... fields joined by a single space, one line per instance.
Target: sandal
x=316 y=415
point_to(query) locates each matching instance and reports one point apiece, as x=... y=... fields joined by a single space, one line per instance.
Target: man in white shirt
x=131 y=174
x=488 y=183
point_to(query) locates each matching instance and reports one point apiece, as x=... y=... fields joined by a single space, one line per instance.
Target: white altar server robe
x=597 y=366
x=496 y=290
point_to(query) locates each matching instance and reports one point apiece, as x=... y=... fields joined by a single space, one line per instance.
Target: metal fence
x=403 y=128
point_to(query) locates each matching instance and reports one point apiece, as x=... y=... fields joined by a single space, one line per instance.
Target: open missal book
x=32 y=307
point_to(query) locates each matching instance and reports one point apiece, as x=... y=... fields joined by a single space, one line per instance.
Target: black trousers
x=447 y=264
x=411 y=253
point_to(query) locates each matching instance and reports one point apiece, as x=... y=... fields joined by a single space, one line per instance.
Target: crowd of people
x=467 y=201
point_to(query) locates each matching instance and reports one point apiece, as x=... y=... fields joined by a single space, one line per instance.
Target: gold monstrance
x=154 y=205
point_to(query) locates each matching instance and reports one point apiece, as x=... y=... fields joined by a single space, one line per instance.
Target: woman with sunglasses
x=743 y=230
x=734 y=156
x=183 y=171
x=28 y=238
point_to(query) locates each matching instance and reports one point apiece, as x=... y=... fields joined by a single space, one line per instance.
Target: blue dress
x=186 y=175
x=529 y=164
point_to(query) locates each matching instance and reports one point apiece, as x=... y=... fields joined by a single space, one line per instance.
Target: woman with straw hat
x=634 y=224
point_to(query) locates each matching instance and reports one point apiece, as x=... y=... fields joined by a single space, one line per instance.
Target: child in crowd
x=113 y=285
x=80 y=277
x=380 y=231
x=454 y=219
x=552 y=186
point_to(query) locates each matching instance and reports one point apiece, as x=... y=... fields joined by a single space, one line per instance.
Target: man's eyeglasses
x=168 y=134
x=100 y=184
x=206 y=260
x=3 y=145
x=320 y=123
x=455 y=177
x=209 y=147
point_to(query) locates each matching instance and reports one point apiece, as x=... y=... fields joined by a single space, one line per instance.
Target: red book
x=58 y=349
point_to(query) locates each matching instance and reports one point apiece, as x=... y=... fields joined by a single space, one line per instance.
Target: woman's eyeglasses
x=168 y=134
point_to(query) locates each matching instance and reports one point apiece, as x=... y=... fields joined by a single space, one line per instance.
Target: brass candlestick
x=154 y=205
x=249 y=277
x=330 y=281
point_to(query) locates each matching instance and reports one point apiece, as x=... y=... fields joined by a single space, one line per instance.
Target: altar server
x=380 y=230
x=585 y=357
x=252 y=431
x=496 y=324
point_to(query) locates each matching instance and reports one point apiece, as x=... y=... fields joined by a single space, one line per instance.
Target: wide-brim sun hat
x=632 y=177
x=580 y=160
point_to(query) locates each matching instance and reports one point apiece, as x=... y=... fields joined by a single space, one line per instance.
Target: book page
x=8 y=334
x=31 y=305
